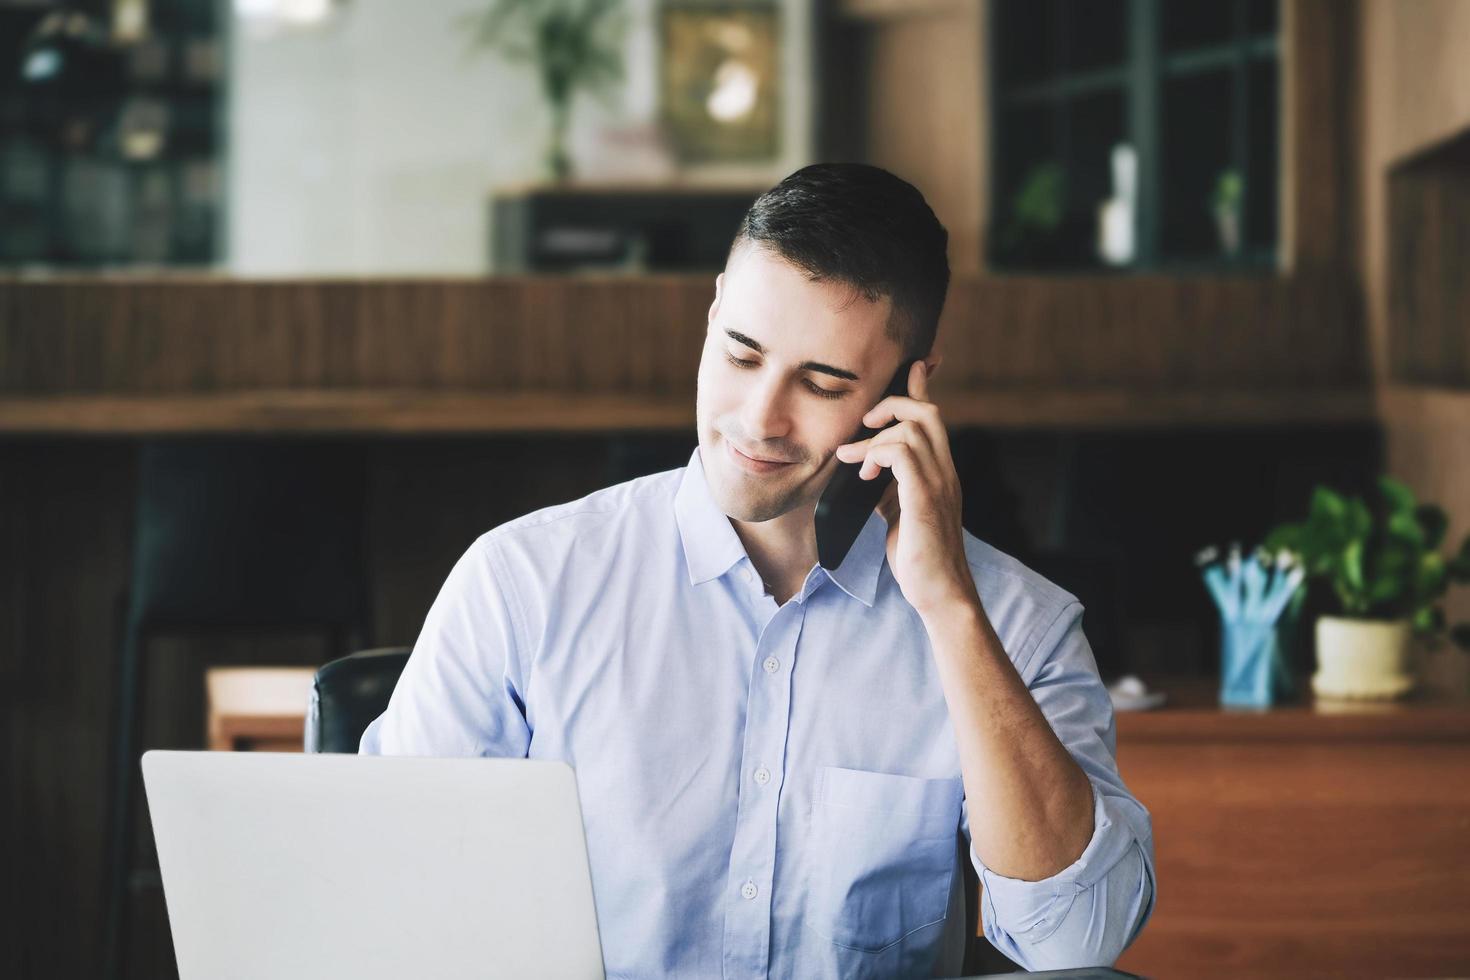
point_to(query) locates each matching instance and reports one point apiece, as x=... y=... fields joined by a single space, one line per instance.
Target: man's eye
x=814 y=388
x=822 y=392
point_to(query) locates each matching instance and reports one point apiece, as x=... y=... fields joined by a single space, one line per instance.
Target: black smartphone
x=849 y=500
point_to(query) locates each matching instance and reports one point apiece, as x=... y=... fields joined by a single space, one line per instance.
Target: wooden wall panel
x=65 y=538
x=1414 y=188
x=122 y=336
x=1429 y=267
x=642 y=337
x=1319 y=206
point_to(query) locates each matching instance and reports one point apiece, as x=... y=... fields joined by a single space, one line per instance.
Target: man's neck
x=782 y=550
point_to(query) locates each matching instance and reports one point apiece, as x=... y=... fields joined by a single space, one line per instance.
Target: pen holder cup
x=1253 y=671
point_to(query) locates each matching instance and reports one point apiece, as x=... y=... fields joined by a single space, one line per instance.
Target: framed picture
x=720 y=80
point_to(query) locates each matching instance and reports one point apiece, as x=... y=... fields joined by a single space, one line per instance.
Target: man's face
x=817 y=358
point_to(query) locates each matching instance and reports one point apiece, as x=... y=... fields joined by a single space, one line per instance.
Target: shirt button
x=747 y=574
x=748 y=890
x=771 y=664
x=763 y=775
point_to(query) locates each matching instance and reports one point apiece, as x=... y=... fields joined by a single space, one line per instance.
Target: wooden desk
x=1304 y=840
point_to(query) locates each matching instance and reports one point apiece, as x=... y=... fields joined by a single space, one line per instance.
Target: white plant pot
x=1362 y=659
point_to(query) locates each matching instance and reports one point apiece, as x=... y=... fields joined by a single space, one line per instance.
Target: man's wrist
x=961 y=613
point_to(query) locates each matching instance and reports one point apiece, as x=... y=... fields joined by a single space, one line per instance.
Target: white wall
x=368 y=146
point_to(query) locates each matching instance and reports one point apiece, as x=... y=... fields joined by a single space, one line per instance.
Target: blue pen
x=1253 y=582
x=1289 y=577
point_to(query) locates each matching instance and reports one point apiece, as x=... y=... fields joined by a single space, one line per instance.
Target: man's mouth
x=753 y=464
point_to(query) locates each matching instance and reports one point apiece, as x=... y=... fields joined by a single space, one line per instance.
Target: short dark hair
x=861 y=226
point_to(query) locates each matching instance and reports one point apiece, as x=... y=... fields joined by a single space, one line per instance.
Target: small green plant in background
x=1226 y=201
x=1038 y=204
x=1036 y=213
x=1229 y=192
x=572 y=43
x=1380 y=559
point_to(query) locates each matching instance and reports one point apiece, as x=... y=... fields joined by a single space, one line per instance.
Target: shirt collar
x=858 y=573
x=711 y=546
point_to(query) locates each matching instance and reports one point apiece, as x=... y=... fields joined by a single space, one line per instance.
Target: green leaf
x=1434 y=521
x=1429 y=578
x=1359 y=520
x=1385 y=588
x=1042 y=196
x=1352 y=565
x=1345 y=597
x=1284 y=536
x=1327 y=506
x=607 y=59
x=1404 y=525
x=1428 y=619
x=1400 y=499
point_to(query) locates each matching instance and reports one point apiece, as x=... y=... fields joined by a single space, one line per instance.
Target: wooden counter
x=1304 y=840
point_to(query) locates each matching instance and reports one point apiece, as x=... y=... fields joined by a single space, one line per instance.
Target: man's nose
x=765 y=414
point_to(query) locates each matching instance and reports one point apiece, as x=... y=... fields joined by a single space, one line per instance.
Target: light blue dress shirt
x=767 y=791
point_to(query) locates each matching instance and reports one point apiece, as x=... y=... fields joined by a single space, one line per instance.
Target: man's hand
x=926 y=547
x=1016 y=771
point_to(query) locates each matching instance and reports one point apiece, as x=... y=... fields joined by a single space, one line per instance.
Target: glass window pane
x=1022 y=215
x=1262 y=178
x=1196 y=23
x=1097 y=123
x=1025 y=40
x=1216 y=188
x=1027 y=142
x=1096 y=33
x=1262 y=17
x=1195 y=138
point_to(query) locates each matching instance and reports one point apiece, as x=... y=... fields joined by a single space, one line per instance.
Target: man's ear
x=931 y=365
x=714 y=307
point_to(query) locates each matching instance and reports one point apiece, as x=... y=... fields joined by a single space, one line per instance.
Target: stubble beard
x=749 y=497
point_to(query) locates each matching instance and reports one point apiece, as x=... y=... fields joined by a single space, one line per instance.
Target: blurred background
x=298 y=297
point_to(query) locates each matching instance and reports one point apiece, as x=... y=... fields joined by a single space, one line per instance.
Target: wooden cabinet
x=1304 y=840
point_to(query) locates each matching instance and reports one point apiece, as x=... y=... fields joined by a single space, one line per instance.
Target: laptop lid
x=287 y=865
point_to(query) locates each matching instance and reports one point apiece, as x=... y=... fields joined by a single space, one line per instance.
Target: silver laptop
x=280 y=865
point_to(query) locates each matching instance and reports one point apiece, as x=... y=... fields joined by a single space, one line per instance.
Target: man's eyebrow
x=755 y=345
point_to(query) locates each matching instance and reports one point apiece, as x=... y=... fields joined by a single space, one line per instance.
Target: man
x=776 y=760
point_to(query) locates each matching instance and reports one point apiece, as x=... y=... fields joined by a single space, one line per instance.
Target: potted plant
x=572 y=43
x=1385 y=577
x=1225 y=203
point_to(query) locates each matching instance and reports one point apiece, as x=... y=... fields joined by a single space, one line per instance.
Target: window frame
x=1140 y=77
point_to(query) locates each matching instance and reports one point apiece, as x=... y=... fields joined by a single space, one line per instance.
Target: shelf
x=402 y=412
x=881 y=10
x=1424 y=405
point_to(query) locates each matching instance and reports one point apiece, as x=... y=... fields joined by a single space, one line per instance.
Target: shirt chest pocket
x=884 y=851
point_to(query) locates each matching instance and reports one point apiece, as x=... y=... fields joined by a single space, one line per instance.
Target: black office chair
x=347 y=694
x=236 y=537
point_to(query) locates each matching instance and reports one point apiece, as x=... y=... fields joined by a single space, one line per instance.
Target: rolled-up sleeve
x=462 y=690
x=1089 y=912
